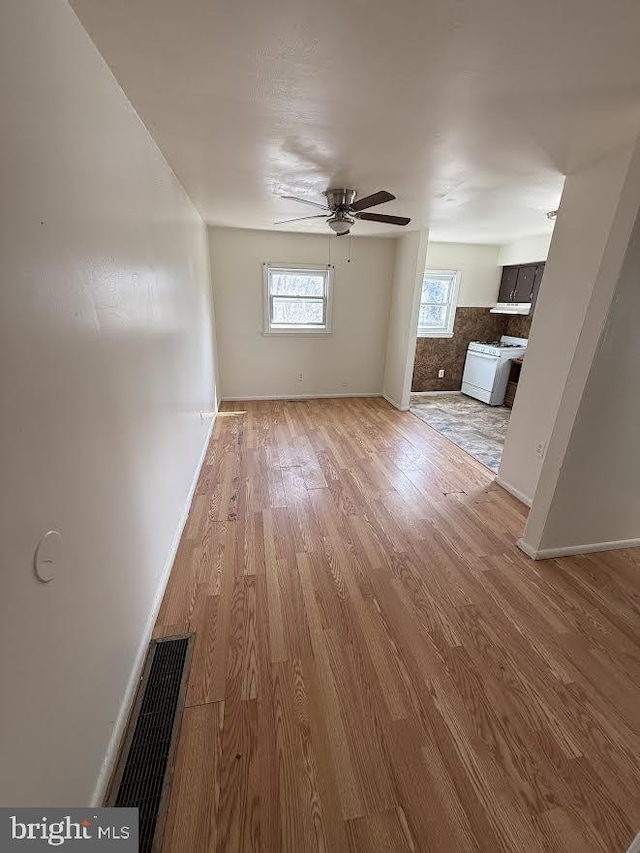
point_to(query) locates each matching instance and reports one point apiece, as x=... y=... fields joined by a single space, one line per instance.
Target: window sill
x=435 y=334
x=299 y=333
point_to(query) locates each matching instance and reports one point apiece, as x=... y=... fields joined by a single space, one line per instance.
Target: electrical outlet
x=344 y=383
x=300 y=376
x=441 y=374
x=540 y=448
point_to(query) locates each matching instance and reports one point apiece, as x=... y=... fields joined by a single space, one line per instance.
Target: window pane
x=436 y=290
x=432 y=316
x=304 y=312
x=292 y=284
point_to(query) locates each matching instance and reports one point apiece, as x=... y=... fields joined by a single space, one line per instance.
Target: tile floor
x=477 y=428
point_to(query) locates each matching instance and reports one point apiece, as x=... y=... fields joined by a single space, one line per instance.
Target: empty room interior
x=319 y=425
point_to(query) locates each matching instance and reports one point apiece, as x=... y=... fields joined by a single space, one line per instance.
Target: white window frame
x=447 y=330
x=326 y=269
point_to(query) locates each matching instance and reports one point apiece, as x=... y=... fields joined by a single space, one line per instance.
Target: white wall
x=596 y=216
x=348 y=361
x=408 y=274
x=597 y=498
x=479 y=270
x=106 y=358
x=525 y=251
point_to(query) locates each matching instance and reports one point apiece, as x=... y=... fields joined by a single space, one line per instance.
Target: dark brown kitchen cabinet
x=524 y=284
x=536 y=285
x=508 y=284
x=520 y=283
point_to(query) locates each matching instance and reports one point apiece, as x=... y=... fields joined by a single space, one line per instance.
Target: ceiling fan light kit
x=340 y=223
x=343 y=208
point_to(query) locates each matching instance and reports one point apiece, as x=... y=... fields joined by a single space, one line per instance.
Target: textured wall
x=597 y=498
x=528 y=250
x=478 y=269
x=433 y=354
x=403 y=316
x=348 y=361
x=598 y=209
x=106 y=359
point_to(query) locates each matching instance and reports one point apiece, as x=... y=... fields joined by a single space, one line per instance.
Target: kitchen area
x=466 y=377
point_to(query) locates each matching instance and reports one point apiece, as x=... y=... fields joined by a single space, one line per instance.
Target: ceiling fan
x=343 y=208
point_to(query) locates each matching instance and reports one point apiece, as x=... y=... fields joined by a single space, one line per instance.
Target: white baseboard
x=528 y=550
x=117 y=734
x=394 y=404
x=513 y=491
x=228 y=398
x=573 y=550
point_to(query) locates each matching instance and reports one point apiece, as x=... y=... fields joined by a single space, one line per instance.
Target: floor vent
x=142 y=778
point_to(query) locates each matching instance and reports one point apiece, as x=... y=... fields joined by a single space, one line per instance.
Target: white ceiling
x=469 y=111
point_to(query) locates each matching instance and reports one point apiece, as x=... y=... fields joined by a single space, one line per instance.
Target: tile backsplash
x=518 y=326
x=448 y=354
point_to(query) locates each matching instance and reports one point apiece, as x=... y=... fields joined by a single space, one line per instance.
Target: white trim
x=117 y=733
x=571 y=550
x=394 y=404
x=515 y=492
x=447 y=330
x=297 y=332
x=528 y=550
x=328 y=274
x=285 y=265
x=228 y=398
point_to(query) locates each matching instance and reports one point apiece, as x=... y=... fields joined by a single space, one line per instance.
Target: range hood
x=511 y=308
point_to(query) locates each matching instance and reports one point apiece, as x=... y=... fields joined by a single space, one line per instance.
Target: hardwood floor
x=377 y=667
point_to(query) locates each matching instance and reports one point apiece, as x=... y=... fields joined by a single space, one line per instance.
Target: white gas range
x=487 y=367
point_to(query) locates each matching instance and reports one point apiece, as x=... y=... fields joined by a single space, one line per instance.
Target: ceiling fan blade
x=371 y=200
x=304 y=201
x=300 y=218
x=383 y=217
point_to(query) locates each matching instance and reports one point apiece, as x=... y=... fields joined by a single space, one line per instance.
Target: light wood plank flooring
x=377 y=667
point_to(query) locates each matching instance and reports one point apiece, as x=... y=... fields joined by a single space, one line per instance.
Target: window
x=297 y=299
x=438 y=303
